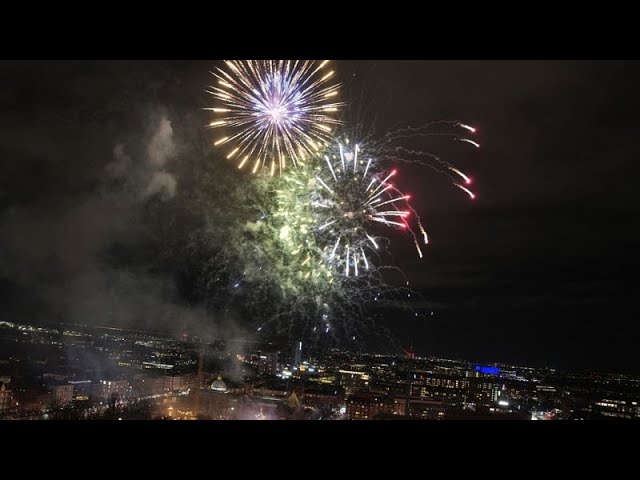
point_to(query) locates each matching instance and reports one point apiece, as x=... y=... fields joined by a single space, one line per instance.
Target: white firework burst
x=353 y=195
x=274 y=112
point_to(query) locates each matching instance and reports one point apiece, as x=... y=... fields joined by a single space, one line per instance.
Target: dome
x=219 y=385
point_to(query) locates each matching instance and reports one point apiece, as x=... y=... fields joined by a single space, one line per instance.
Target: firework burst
x=273 y=113
x=355 y=194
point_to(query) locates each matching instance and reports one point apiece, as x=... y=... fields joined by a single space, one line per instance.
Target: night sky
x=540 y=269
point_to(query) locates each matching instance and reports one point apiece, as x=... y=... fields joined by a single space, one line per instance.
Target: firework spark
x=475 y=144
x=274 y=112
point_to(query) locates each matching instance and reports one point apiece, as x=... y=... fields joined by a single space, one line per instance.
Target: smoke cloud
x=84 y=257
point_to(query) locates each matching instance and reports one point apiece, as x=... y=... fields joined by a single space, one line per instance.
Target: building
x=617 y=408
x=6 y=397
x=213 y=404
x=483 y=391
x=419 y=407
x=219 y=385
x=368 y=405
x=326 y=398
x=485 y=413
x=296 y=357
x=62 y=394
x=352 y=380
x=32 y=397
x=268 y=363
x=81 y=389
x=272 y=387
x=179 y=382
x=108 y=389
x=145 y=385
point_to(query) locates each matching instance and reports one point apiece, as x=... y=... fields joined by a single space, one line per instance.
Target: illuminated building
x=81 y=389
x=324 y=397
x=389 y=387
x=485 y=413
x=108 y=389
x=32 y=397
x=368 y=405
x=214 y=404
x=62 y=394
x=352 y=380
x=545 y=390
x=450 y=386
x=483 y=391
x=219 y=385
x=148 y=385
x=293 y=401
x=6 y=397
x=272 y=387
x=487 y=370
x=268 y=363
x=297 y=354
x=618 y=408
x=518 y=390
x=179 y=382
x=444 y=382
x=419 y=407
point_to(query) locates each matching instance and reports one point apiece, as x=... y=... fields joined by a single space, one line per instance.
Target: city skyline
x=79 y=372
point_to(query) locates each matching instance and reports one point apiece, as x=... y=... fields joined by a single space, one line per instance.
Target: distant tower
x=201 y=369
x=200 y=381
x=410 y=357
x=297 y=353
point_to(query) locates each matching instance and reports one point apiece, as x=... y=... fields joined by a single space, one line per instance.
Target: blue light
x=487 y=370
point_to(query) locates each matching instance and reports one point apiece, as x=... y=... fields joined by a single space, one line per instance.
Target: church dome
x=219 y=385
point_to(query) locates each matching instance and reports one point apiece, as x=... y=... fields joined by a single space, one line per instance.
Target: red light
x=394 y=172
x=469 y=181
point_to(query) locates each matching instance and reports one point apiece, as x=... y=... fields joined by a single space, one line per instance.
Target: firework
x=273 y=113
x=393 y=151
x=332 y=211
x=270 y=258
x=306 y=250
x=354 y=195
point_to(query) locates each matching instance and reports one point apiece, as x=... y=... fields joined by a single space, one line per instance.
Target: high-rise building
x=297 y=353
x=268 y=363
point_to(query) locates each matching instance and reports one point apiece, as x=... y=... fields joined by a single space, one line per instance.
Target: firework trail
x=273 y=113
x=393 y=149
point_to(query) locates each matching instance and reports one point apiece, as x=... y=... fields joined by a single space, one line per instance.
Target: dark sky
x=539 y=269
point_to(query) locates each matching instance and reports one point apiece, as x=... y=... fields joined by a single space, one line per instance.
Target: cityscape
x=77 y=372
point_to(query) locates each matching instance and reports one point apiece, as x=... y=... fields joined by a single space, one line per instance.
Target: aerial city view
x=421 y=240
